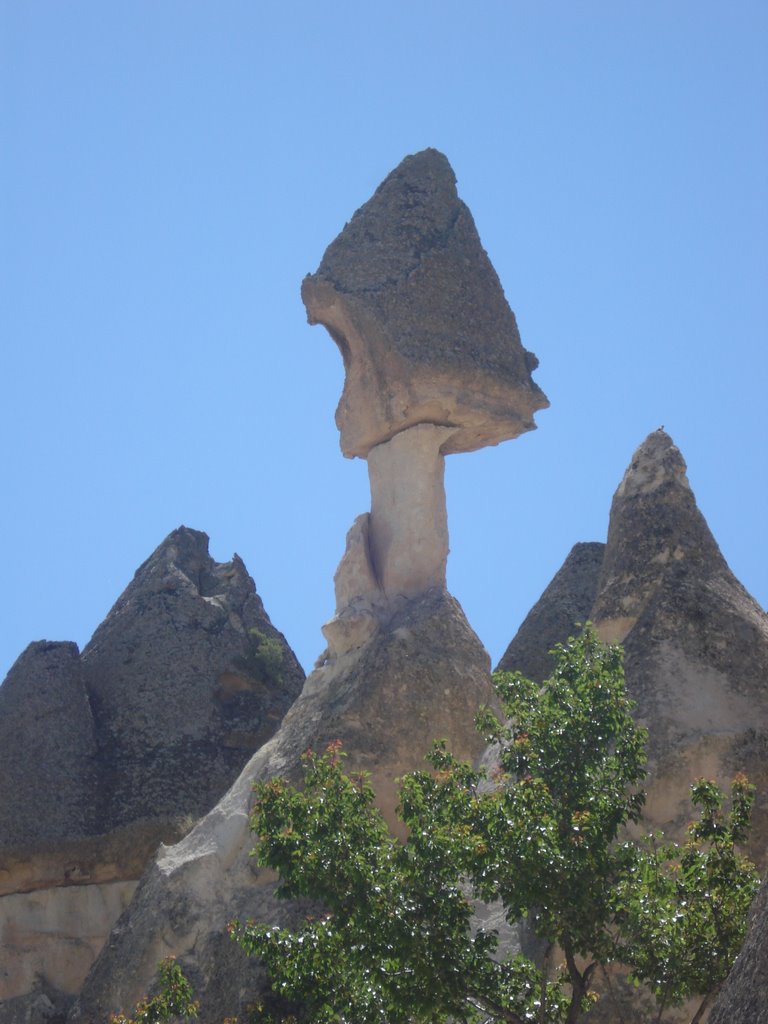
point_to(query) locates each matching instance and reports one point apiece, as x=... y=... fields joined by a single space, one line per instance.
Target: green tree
x=395 y=942
x=263 y=658
x=685 y=907
x=174 y=1001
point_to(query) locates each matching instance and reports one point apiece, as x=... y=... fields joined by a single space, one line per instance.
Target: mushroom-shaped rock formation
x=434 y=365
x=411 y=299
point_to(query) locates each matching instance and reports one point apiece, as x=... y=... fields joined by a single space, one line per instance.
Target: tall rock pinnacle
x=656 y=535
x=696 y=663
x=434 y=365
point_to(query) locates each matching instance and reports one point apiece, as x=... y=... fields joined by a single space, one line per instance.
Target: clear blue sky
x=169 y=171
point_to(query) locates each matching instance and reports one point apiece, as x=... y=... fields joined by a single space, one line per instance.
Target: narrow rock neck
x=409 y=520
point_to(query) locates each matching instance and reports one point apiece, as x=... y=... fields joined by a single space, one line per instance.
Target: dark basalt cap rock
x=427 y=336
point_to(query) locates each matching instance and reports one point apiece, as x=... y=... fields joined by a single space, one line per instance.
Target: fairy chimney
x=434 y=365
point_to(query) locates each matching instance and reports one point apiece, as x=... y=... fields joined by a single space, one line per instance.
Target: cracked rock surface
x=107 y=753
x=410 y=297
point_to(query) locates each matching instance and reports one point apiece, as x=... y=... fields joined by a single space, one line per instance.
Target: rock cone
x=744 y=998
x=410 y=297
x=420 y=678
x=567 y=600
x=696 y=643
x=696 y=662
x=105 y=754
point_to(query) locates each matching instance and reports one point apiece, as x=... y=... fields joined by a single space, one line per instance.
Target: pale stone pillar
x=409 y=522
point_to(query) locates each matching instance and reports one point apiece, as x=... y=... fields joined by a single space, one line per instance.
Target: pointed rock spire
x=656 y=532
x=410 y=297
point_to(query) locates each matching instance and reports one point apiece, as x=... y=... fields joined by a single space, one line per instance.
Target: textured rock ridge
x=48 y=778
x=410 y=297
x=744 y=997
x=696 y=663
x=567 y=600
x=696 y=643
x=105 y=754
x=433 y=365
x=656 y=537
x=178 y=710
x=419 y=678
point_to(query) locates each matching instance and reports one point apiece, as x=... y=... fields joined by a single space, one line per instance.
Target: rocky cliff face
x=568 y=599
x=104 y=755
x=696 y=643
x=696 y=662
x=744 y=998
x=421 y=677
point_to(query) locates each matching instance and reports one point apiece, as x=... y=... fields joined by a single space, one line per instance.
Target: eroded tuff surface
x=48 y=773
x=419 y=678
x=105 y=754
x=696 y=662
x=567 y=600
x=696 y=643
x=178 y=700
x=744 y=998
x=411 y=299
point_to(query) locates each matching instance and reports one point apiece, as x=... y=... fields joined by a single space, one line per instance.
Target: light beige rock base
x=420 y=677
x=54 y=935
x=409 y=522
x=400 y=549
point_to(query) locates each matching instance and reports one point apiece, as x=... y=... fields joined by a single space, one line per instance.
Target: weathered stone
x=567 y=600
x=178 y=706
x=409 y=522
x=35 y=1008
x=696 y=662
x=359 y=598
x=48 y=782
x=410 y=297
x=420 y=677
x=56 y=934
x=696 y=643
x=105 y=755
x=744 y=997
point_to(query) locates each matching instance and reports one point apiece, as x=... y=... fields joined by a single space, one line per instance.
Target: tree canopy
x=541 y=834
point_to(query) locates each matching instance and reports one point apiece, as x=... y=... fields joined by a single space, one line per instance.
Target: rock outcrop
x=567 y=600
x=433 y=365
x=48 y=747
x=744 y=997
x=410 y=297
x=106 y=754
x=179 y=698
x=420 y=678
x=696 y=663
x=696 y=643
